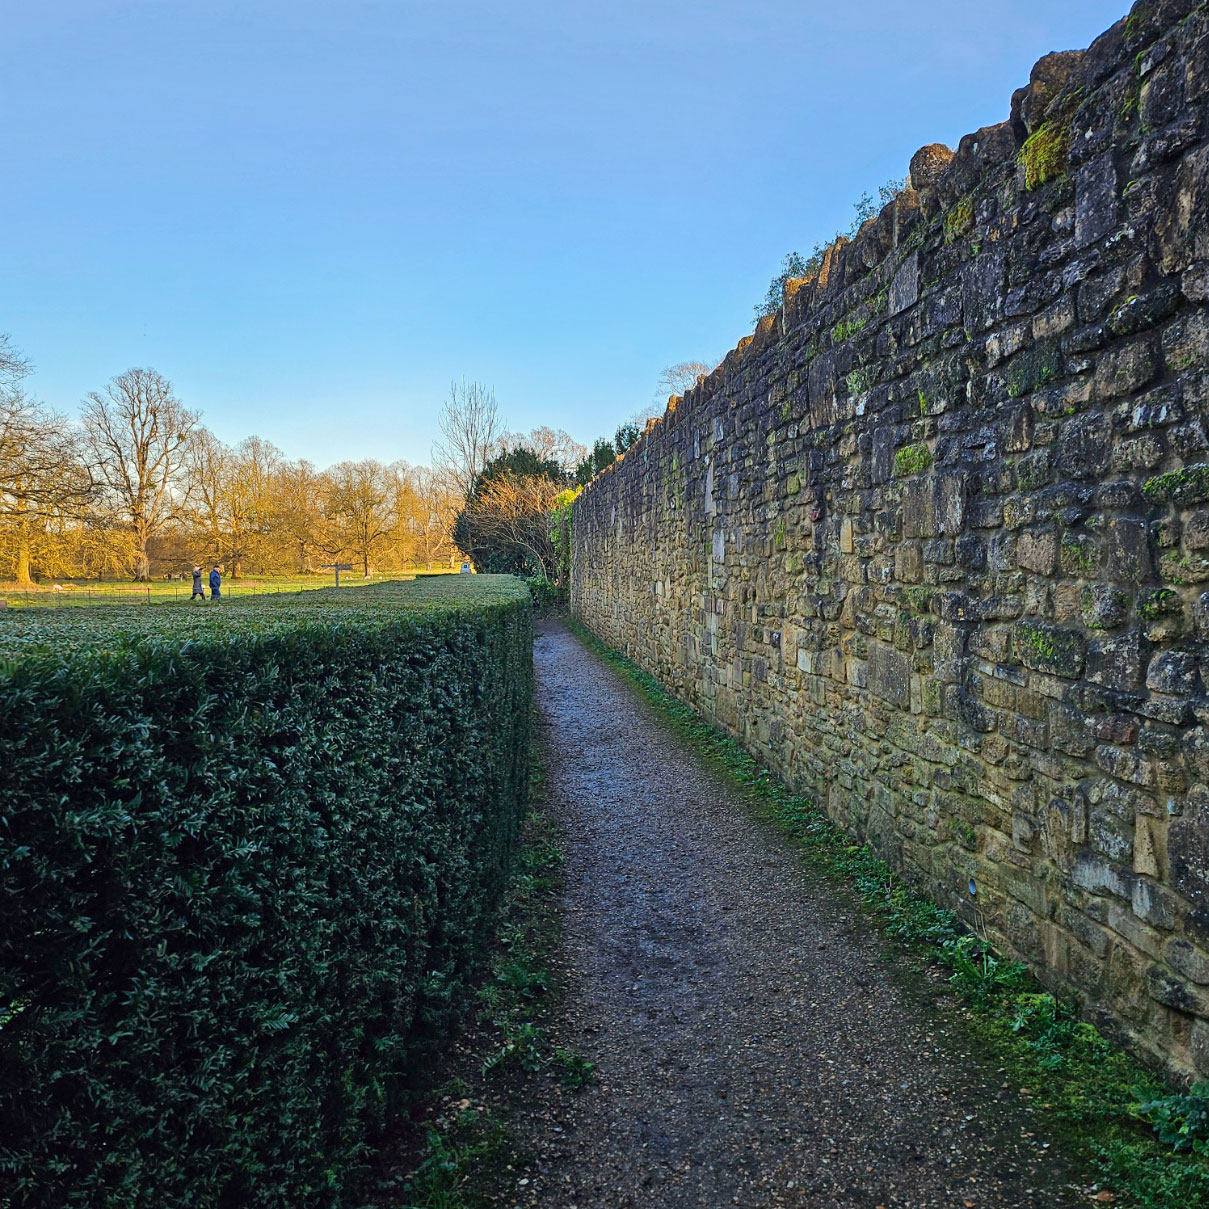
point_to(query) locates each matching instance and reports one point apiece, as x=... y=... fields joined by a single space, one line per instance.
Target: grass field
x=75 y=593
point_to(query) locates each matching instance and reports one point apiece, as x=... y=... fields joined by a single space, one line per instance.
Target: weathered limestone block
x=1096 y=204
x=1188 y=845
x=1048 y=77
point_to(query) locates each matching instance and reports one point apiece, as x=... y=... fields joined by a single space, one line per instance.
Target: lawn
x=161 y=591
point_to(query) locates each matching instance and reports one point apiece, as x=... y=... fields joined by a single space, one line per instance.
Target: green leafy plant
x=544 y=593
x=794 y=265
x=437 y=1183
x=574 y=1071
x=978 y=973
x=1053 y=1029
x=1181 y=1120
x=450 y=1172
x=522 y=1047
x=522 y=980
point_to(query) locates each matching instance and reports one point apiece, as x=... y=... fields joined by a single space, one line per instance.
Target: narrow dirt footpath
x=753 y=1046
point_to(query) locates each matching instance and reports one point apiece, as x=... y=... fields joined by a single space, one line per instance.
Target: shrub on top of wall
x=249 y=857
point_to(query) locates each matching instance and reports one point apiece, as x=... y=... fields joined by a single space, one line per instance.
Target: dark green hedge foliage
x=249 y=854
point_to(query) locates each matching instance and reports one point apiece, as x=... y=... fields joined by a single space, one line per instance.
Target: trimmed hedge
x=249 y=856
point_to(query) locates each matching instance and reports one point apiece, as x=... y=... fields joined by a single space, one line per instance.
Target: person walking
x=215 y=584
x=198 y=590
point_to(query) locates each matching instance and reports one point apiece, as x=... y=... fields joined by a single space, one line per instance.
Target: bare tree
x=358 y=508
x=437 y=507
x=470 y=430
x=552 y=444
x=246 y=498
x=206 y=463
x=510 y=512
x=13 y=366
x=403 y=509
x=300 y=521
x=676 y=379
x=137 y=432
x=44 y=483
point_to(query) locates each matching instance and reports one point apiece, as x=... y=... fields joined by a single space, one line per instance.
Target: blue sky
x=312 y=215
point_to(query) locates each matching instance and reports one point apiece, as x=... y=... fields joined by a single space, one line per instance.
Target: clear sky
x=312 y=214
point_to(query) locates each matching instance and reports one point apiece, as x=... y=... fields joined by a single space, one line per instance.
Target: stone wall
x=934 y=542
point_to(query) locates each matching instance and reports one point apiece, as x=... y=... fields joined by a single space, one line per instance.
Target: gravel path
x=753 y=1046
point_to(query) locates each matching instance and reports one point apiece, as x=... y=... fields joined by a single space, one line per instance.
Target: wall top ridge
x=942 y=186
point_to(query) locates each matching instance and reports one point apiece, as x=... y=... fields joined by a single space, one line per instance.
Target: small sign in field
x=337 y=567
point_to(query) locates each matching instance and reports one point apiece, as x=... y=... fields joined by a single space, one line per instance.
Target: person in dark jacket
x=215 y=584
x=198 y=590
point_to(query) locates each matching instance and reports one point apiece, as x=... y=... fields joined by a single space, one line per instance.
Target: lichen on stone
x=1185 y=486
x=959 y=220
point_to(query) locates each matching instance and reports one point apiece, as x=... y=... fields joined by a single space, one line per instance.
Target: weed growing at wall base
x=1101 y=1100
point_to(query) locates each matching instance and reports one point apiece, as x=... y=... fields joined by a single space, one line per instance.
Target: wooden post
x=337 y=567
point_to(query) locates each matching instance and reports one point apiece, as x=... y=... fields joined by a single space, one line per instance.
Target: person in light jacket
x=215 y=584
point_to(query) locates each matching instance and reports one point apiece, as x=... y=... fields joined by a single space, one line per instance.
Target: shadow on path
x=753 y=1048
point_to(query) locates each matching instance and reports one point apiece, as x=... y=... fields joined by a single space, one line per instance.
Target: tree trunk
x=23 y=577
x=142 y=563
